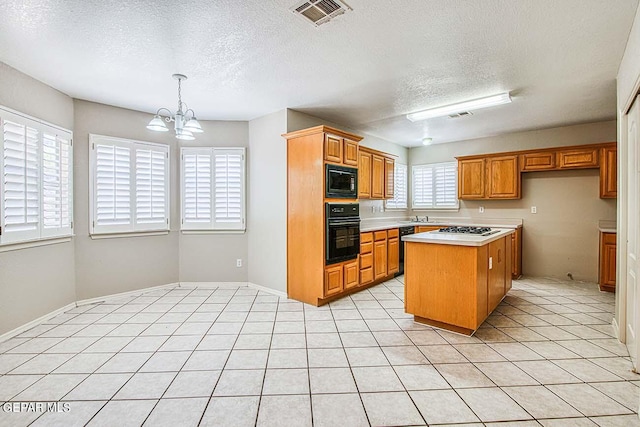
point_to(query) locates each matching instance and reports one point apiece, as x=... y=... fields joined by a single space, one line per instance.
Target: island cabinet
x=461 y=284
x=607 y=279
x=375 y=174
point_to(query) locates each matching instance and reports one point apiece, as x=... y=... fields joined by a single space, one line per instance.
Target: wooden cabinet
x=578 y=158
x=541 y=161
x=607 y=268
x=366 y=258
x=375 y=174
x=393 y=251
x=333 y=280
x=425 y=228
x=333 y=149
x=496 y=280
x=389 y=186
x=609 y=172
x=471 y=184
x=503 y=177
x=350 y=153
x=379 y=254
x=377 y=177
x=364 y=175
x=351 y=274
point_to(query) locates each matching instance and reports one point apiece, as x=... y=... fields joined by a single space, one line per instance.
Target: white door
x=633 y=231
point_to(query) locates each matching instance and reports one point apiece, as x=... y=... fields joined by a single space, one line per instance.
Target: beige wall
x=212 y=257
x=267 y=207
x=35 y=281
x=109 y=266
x=563 y=236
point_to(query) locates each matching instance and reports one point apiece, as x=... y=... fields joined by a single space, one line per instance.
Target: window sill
x=7 y=247
x=436 y=209
x=395 y=209
x=129 y=234
x=188 y=232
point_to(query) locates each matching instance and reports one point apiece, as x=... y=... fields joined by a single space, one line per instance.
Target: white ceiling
x=366 y=69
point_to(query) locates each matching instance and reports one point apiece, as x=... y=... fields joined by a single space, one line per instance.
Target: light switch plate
x=481 y=209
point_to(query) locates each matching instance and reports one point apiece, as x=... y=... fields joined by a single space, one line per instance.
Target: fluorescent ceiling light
x=460 y=107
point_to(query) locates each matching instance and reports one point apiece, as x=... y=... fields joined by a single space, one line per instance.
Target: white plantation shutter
x=196 y=188
x=56 y=184
x=130 y=186
x=435 y=186
x=36 y=174
x=213 y=188
x=151 y=184
x=399 y=200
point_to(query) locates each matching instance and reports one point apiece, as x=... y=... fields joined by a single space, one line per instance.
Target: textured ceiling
x=365 y=69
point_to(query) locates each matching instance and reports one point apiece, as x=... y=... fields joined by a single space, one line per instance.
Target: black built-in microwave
x=341 y=182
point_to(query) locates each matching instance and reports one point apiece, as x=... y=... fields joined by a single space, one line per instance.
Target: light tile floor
x=239 y=357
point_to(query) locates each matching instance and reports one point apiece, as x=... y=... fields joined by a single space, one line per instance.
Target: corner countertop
x=375 y=225
x=456 y=238
x=605 y=226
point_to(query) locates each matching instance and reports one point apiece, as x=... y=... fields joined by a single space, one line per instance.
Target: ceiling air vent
x=319 y=12
x=462 y=114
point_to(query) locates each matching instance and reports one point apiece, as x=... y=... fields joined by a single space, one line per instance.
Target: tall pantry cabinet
x=308 y=151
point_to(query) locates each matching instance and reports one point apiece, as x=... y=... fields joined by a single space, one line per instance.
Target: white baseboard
x=23 y=328
x=124 y=294
x=267 y=290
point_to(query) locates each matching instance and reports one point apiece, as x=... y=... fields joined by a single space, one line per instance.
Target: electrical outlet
x=239 y=262
x=534 y=209
x=481 y=209
x=373 y=209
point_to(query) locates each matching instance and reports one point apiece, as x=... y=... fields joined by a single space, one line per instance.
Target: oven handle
x=339 y=223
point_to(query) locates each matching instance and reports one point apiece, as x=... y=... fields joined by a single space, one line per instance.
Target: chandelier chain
x=179 y=95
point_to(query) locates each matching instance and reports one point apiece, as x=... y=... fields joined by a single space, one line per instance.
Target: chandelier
x=185 y=122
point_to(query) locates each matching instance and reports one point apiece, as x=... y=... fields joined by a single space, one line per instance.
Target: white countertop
x=607 y=226
x=459 y=239
x=376 y=224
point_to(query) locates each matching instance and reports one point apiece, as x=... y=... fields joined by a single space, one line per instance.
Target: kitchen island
x=454 y=281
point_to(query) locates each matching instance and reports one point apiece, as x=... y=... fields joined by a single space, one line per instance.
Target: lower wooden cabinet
x=516 y=254
x=351 y=274
x=379 y=255
x=607 y=268
x=425 y=228
x=333 y=283
x=366 y=258
x=393 y=251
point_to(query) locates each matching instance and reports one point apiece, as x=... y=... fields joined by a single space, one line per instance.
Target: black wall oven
x=341 y=182
x=342 y=231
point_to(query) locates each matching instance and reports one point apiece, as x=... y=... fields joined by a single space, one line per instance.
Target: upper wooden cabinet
x=364 y=175
x=503 y=177
x=471 y=184
x=375 y=174
x=350 y=153
x=542 y=161
x=497 y=176
x=578 y=158
x=377 y=177
x=332 y=149
x=609 y=172
x=389 y=187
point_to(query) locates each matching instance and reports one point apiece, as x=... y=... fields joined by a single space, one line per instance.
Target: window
x=36 y=172
x=435 y=186
x=213 y=188
x=129 y=186
x=399 y=200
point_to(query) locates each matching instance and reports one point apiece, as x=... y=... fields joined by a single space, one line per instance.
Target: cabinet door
x=542 y=161
x=496 y=276
x=377 y=177
x=607 y=262
x=503 y=177
x=364 y=175
x=389 y=187
x=609 y=173
x=424 y=228
x=379 y=259
x=350 y=153
x=351 y=274
x=333 y=280
x=332 y=149
x=471 y=179
x=393 y=255
x=578 y=158
x=366 y=276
